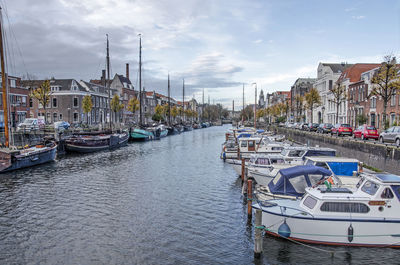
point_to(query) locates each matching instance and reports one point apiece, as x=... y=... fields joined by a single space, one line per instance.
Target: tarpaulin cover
x=244 y=135
x=320 y=153
x=284 y=186
x=343 y=168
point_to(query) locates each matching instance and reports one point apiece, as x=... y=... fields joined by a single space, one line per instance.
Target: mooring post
x=258 y=242
x=243 y=169
x=249 y=198
x=244 y=186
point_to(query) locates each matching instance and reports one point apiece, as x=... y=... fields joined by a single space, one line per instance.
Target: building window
x=76 y=103
x=48 y=118
x=392 y=118
x=373 y=102
x=54 y=102
x=373 y=119
x=55 y=117
x=13 y=83
x=61 y=117
x=76 y=117
x=30 y=103
x=393 y=100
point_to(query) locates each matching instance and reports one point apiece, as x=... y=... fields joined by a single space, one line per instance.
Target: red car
x=366 y=132
x=342 y=129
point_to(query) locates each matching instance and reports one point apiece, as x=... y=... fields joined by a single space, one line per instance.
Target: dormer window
x=125 y=85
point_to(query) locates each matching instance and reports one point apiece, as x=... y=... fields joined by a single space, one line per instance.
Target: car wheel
x=398 y=142
x=381 y=140
x=362 y=137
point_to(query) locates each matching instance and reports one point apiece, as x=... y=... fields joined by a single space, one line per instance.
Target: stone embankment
x=381 y=156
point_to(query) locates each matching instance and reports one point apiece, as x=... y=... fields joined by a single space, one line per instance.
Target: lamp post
x=323 y=111
x=255 y=105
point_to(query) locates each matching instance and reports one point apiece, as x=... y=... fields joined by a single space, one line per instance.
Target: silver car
x=391 y=135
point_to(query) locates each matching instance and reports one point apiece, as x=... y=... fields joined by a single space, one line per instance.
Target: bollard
x=244 y=187
x=243 y=169
x=258 y=240
x=238 y=153
x=249 y=197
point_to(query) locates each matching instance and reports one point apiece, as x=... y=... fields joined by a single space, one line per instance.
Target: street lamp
x=323 y=110
x=255 y=105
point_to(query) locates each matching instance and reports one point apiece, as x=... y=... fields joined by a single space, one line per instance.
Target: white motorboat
x=366 y=215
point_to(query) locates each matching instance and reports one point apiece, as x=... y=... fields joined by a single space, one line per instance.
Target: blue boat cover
x=343 y=168
x=244 y=135
x=260 y=131
x=285 y=187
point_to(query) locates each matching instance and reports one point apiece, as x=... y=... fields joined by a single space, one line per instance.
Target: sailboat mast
x=169 y=103
x=4 y=83
x=243 y=106
x=140 y=79
x=183 y=99
x=108 y=82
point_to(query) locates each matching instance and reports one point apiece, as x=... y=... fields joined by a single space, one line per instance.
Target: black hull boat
x=16 y=159
x=95 y=143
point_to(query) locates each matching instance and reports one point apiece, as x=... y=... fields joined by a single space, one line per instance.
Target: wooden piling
x=258 y=240
x=249 y=197
x=243 y=169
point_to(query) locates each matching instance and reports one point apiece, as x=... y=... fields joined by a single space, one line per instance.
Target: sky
x=215 y=45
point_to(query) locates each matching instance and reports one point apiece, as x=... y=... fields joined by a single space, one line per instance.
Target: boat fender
x=224 y=156
x=350 y=233
x=284 y=230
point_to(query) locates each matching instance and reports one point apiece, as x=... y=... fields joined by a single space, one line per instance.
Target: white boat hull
x=334 y=231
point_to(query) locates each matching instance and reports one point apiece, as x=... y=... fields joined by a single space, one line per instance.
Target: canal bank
x=171 y=201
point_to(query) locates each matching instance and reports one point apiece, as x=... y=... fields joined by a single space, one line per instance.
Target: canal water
x=171 y=201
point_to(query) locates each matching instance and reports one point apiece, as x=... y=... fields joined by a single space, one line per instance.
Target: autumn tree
x=158 y=113
x=386 y=82
x=313 y=100
x=174 y=112
x=299 y=105
x=133 y=105
x=87 y=106
x=42 y=94
x=116 y=106
x=339 y=96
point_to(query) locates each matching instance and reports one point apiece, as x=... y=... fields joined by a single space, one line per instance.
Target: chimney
x=103 y=77
x=127 y=70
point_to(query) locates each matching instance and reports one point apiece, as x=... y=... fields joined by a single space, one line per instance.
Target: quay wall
x=381 y=156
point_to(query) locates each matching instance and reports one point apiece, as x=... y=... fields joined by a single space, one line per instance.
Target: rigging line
x=16 y=42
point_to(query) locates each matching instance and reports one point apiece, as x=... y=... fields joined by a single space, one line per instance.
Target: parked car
x=391 y=135
x=312 y=127
x=61 y=125
x=304 y=127
x=366 y=132
x=342 y=129
x=30 y=124
x=324 y=128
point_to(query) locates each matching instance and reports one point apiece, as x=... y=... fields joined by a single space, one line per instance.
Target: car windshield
x=371 y=128
x=345 y=125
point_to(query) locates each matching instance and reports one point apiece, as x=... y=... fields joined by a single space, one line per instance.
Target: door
x=252 y=146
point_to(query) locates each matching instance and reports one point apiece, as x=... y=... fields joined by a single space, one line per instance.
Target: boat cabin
x=375 y=196
x=299 y=153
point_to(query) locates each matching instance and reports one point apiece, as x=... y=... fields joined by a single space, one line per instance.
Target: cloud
x=358 y=17
x=349 y=9
x=257 y=41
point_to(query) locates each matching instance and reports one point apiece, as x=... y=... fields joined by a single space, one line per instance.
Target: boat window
x=310 y=162
x=387 y=194
x=262 y=161
x=344 y=207
x=276 y=179
x=310 y=202
x=314 y=178
x=243 y=144
x=370 y=187
x=277 y=148
x=296 y=153
x=277 y=161
x=251 y=143
x=322 y=164
x=299 y=183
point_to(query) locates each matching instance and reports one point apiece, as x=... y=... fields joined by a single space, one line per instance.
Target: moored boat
x=138 y=134
x=94 y=143
x=366 y=215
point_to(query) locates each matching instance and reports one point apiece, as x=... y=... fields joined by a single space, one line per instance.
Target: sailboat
x=141 y=134
x=88 y=143
x=12 y=158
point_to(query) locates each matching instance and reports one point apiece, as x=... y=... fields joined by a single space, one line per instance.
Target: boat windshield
x=370 y=187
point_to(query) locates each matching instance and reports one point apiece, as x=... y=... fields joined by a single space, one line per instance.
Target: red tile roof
x=354 y=72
